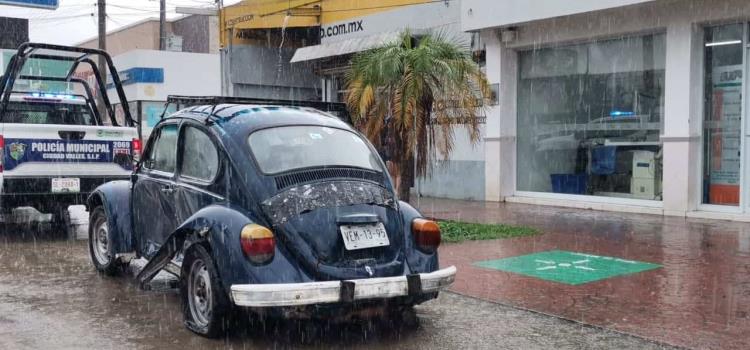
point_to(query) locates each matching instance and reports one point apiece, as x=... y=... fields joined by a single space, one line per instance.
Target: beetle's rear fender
x=114 y=196
x=419 y=262
x=219 y=226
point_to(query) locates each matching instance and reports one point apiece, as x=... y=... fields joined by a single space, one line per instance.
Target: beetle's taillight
x=137 y=146
x=257 y=243
x=2 y=153
x=426 y=235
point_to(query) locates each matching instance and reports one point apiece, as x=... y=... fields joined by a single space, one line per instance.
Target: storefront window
x=722 y=122
x=589 y=118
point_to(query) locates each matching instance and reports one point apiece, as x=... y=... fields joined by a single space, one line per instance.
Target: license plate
x=66 y=185
x=364 y=236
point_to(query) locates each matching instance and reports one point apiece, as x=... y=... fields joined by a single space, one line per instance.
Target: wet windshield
x=286 y=148
x=48 y=113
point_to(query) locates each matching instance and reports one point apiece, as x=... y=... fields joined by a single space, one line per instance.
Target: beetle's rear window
x=292 y=147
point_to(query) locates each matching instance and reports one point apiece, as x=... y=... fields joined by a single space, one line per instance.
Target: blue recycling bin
x=569 y=183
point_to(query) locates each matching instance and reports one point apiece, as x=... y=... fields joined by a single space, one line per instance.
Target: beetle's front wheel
x=205 y=304
x=99 y=241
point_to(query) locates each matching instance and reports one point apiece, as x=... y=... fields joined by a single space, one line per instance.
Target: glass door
x=723 y=129
x=745 y=107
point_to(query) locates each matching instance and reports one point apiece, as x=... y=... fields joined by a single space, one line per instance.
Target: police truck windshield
x=48 y=113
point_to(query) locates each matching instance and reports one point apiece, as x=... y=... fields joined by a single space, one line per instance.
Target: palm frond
x=415 y=92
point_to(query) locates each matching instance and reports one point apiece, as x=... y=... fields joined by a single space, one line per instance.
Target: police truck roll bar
x=80 y=55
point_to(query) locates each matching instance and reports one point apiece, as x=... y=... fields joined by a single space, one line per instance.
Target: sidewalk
x=699 y=296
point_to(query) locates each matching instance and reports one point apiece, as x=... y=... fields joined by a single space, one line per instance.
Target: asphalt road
x=51 y=298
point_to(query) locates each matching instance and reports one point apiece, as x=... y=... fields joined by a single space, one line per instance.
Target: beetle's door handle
x=167 y=190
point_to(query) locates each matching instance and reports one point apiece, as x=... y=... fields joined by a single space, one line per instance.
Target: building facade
x=189 y=66
x=15 y=32
x=192 y=33
x=626 y=105
x=302 y=50
x=149 y=76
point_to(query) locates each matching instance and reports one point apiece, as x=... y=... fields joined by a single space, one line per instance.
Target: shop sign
x=448 y=107
x=44 y=4
x=341 y=29
x=439 y=15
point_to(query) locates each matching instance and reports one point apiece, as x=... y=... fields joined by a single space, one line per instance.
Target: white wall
x=681 y=20
x=480 y=14
x=184 y=74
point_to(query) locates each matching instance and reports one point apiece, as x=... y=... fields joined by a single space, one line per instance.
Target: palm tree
x=412 y=94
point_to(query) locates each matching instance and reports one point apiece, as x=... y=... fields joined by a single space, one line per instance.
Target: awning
x=343 y=47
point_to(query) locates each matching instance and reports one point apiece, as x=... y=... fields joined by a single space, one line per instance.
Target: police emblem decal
x=17 y=150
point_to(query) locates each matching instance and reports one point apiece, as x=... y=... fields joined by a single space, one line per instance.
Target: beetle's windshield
x=293 y=147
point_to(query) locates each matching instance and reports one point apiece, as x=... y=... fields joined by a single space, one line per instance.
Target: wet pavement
x=51 y=298
x=699 y=298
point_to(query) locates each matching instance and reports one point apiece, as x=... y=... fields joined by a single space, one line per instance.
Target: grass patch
x=458 y=231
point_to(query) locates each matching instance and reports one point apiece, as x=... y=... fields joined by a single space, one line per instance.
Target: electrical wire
x=61 y=17
x=138 y=8
x=350 y=9
x=115 y=21
x=45 y=24
x=386 y=6
x=69 y=11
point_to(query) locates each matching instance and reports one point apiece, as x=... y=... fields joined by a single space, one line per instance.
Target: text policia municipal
x=70 y=147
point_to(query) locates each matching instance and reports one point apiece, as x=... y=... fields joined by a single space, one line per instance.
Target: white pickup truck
x=55 y=148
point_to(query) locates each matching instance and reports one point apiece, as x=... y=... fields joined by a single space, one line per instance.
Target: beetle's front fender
x=114 y=197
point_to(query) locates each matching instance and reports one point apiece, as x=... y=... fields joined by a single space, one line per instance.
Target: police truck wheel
x=206 y=305
x=99 y=241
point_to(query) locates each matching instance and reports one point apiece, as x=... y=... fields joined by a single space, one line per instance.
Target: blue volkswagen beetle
x=284 y=211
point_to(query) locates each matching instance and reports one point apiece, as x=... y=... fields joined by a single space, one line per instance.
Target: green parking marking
x=568 y=267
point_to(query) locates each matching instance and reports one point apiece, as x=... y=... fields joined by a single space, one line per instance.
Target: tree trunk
x=406 y=179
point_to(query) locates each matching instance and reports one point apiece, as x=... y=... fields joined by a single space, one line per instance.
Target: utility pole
x=162 y=25
x=102 y=10
x=101 y=62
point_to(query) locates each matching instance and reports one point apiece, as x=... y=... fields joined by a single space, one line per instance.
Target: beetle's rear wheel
x=205 y=303
x=99 y=240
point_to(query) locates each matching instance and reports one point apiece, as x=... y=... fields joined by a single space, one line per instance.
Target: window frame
x=517 y=53
x=180 y=155
x=85 y=109
x=150 y=146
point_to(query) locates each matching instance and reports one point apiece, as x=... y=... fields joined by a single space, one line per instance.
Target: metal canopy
x=344 y=47
x=75 y=55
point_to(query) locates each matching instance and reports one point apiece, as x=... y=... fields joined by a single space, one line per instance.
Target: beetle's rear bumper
x=297 y=294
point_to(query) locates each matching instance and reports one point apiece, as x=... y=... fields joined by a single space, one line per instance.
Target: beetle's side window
x=200 y=159
x=163 y=153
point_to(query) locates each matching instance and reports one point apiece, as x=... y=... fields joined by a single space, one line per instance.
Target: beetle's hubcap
x=199 y=293
x=101 y=242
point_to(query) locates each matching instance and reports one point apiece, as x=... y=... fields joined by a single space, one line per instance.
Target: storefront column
x=499 y=141
x=682 y=118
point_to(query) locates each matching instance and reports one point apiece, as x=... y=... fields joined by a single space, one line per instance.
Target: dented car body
x=284 y=210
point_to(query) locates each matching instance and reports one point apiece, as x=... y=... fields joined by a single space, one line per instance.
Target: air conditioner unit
x=644 y=182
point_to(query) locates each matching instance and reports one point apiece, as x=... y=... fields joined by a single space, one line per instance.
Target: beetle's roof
x=246 y=118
